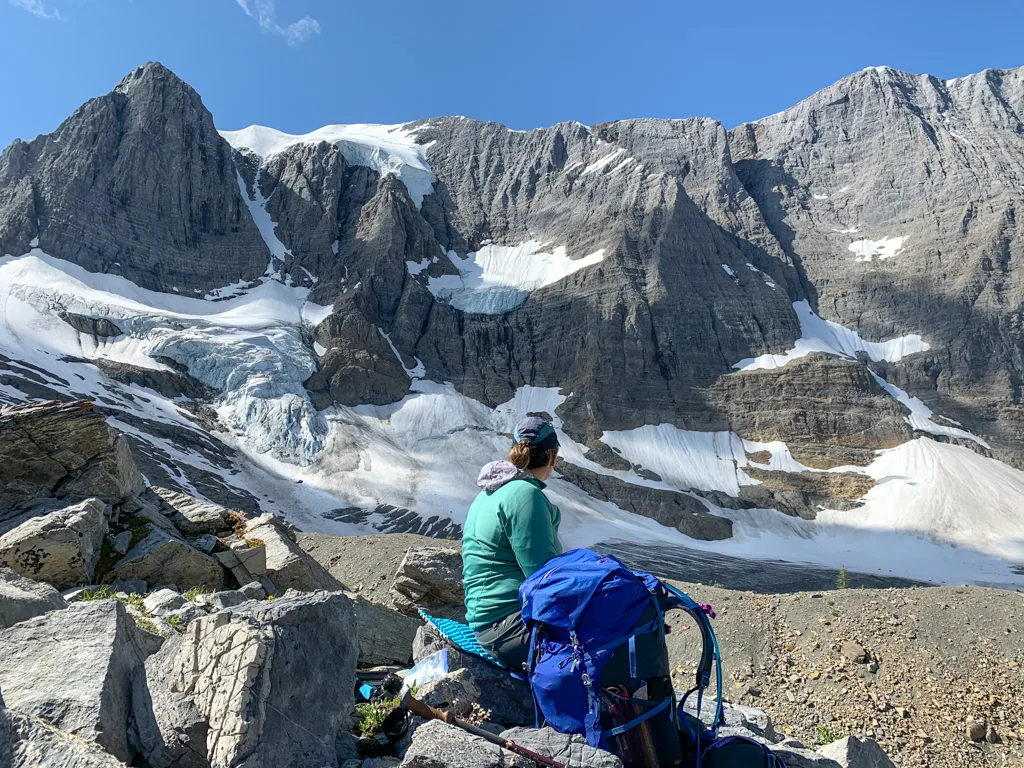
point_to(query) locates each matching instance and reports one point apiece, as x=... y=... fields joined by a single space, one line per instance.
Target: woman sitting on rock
x=511 y=531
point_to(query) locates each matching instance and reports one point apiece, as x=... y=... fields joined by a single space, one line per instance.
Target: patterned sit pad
x=461 y=636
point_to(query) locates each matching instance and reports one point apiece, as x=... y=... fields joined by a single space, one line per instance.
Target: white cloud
x=38 y=8
x=265 y=14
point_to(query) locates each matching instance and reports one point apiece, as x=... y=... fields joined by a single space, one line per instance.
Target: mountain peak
x=152 y=74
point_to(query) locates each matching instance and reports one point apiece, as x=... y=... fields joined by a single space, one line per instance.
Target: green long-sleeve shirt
x=509 y=533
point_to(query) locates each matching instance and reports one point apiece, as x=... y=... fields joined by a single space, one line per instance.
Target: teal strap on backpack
x=711 y=657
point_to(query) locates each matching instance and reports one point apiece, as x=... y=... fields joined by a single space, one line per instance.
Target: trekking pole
x=427 y=712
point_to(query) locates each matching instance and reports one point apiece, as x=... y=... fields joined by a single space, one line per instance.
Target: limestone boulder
x=192 y=516
x=110 y=476
x=854 y=752
x=437 y=745
x=162 y=559
x=22 y=598
x=265 y=684
x=288 y=566
x=428 y=577
x=73 y=670
x=161 y=601
x=60 y=548
x=385 y=636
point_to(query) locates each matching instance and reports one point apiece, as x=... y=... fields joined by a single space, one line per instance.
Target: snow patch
x=818 y=335
x=869 y=250
x=319 y=348
x=707 y=461
x=413 y=373
x=498 y=278
x=387 y=149
x=257 y=205
x=920 y=417
x=415 y=267
x=729 y=270
x=604 y=162
x=944 y=492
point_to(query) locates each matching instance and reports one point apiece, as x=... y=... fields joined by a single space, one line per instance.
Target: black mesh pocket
x=654 y=741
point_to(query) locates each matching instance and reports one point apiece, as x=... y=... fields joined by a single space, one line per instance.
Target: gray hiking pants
x=507 y=640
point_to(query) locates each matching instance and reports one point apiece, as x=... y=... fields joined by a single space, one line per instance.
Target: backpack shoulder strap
x=711 y=655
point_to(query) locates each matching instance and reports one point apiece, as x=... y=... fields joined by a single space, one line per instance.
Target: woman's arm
x=531 y=527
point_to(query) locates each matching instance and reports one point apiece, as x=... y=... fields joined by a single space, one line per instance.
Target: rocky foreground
x=149 y=627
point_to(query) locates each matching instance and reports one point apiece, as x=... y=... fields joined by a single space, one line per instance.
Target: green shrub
x=99 y=593
x=842 y=580
x=370 y=717
x=195 y=592
x=825 y=734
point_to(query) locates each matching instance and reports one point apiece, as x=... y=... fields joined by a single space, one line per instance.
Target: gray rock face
x=385 y=636
x=161 y=601
x=73 y=670
x=61 y=450
x=30 y=742
x=144 y=159
x=22 y=598
x=428 y=577
x=266 y=684
x=162 y=559
x=677 y=510
x=61 y=548
x=886 y=154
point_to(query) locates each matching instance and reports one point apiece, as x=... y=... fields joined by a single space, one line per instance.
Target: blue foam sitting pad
x=461 y=636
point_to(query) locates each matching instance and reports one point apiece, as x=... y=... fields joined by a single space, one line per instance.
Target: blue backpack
x=598 y=662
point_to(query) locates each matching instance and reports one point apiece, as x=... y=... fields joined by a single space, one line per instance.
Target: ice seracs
x=249 y=347
x=387 y=149
x=498 y=278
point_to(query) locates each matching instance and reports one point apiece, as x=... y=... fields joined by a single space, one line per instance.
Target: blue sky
x=299 y=64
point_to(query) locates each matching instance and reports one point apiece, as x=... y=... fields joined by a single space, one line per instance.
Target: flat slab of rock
x=437 y=745
x=192 y=516
x=22 y=598
x=287 y=565
x=60 y=548
x=264 y=685
x=573 y=751
x=30 y=742
x=73 y=669
x=162 y=559
x=426 y=577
